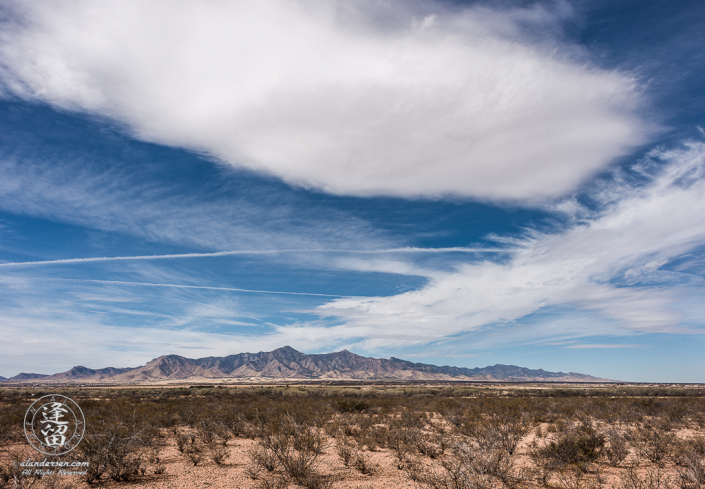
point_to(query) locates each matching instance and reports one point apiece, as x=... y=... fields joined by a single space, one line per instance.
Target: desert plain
x=445 y=435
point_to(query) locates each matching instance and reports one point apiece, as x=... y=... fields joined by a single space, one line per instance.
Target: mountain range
x=287 y=363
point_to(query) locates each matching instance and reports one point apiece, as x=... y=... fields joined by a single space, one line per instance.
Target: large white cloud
x=400 y=98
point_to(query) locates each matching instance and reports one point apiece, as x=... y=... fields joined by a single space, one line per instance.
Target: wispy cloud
x=65 y=187
x=405 y=250
x=603 y=346
x=52 y=327
x=51 y=332
x=637 y=229
x=411 y=98
x=201 y=287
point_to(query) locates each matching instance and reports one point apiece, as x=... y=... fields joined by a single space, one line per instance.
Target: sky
x=451 y=182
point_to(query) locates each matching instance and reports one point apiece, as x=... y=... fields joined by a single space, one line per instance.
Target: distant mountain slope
x=82 y=372
x=23 y=377
x=287 y=363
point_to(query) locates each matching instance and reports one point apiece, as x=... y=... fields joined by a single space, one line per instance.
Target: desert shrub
x=400 y=442
x=10 y=424
x=428 y=445
x=474 y=466
x=376 y=437
x=455 y=475
x=114 y=448
x=182 y=441
x=253 y=471
x=334 y=426
x=352 y=405
x=684 y=450
x=12 y=474
x=346 y=449
x=406 y=436
x=235 y=423
x=95 y=451
x=290 y=435
x=456 y=419
x=573 y=479
x=503 y=428
x=697 y=445
x=576 y=446
x=55 y=482
x=652 y=479
x=492 y=461
x=194 y=451
x=223 y=433
x=351 y=429
x=653 y=442
x=124 y=464
x=262 y=458
x=207 y=430
x=359 y=427
x=271 y=483
x=153 y=454
x=363 y=465
x=617 y=446
x=209 y=440
x=691 y=472
x=442 y=436
x=314 y=480
x=296 y=442
x=365 y=434
x=218 y=453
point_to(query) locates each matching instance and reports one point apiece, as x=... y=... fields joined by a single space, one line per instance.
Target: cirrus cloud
x=611 y=266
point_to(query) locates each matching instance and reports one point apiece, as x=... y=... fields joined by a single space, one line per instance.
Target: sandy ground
x=181 y=474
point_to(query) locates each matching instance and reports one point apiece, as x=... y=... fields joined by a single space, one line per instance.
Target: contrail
x=67 y=261
x=232 y=289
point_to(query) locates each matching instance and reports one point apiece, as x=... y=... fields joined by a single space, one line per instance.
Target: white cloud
x=46 y=344
x=578 y=270
x=196 y=287
x=390 y=266
x=51 y=329
x=401 y=98
x=51 y=332
x=66 y=189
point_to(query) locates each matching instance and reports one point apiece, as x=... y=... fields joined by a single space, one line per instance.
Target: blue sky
x=461 y=183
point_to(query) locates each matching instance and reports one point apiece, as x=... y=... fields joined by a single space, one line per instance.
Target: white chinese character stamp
x=54 y=424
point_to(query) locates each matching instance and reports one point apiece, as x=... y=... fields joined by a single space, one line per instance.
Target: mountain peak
x=167 y=357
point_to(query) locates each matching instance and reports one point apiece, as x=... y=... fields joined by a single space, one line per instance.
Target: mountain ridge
x=21 y=377
x=288 y=363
